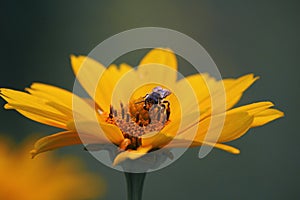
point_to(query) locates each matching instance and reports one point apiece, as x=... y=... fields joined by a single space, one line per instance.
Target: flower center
x=138 y=118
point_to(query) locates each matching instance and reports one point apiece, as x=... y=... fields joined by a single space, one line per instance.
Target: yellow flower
x=128 y=126
x=44 y=178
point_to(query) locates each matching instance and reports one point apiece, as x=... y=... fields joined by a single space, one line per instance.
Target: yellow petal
x=205 y=88
x=212 y=129
x=188 y=97
x=113 y=133
x=88 y=72
x=48 y=104
x=32 y=104
x=261 y=112
x=225 y=93
x=156 y=139
x=164 y=57
x=62 y=100
x=177 y=143
x=131 y=154
x=236 y=87
x=23 y=98
x=223 y=147
x=104 y=132
x=39 y=118
x=52 y=116
x=235 y=125
x=108 y=82
x=61 y=139
x=200 y=83
x=52 y=93
x=254 y=107
x=55 y=141
x=266 y=116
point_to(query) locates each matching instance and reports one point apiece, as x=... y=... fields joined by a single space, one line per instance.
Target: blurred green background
x=242 y=37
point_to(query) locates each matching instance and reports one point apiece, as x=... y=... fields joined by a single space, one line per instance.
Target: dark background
x=262 y=37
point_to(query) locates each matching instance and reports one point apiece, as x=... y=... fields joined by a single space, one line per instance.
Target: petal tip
x=280 y=114
x=33 y=153
x=76 y=58
x=253 y=77
x=7 y=106
x=118 y=160
x=235 y=151
x=73 y=56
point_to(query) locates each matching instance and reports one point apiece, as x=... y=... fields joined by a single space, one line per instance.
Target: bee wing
x=162 y=92
x=166 y=93
x=157 y=89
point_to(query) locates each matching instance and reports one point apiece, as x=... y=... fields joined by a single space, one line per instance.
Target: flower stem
x=135 y=183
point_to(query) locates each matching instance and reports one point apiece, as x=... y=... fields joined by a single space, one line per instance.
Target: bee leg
x=139 y=102
x=147 y=105
x=168 y=110
x=161 y=111
x=163 y=106
x=111 y=111
x=137 y=117
x=145 y=108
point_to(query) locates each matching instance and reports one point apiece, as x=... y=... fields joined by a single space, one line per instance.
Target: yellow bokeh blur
x=46 y=177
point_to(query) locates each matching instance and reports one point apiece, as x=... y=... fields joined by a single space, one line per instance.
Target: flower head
x=142 y=110
x=46 y=178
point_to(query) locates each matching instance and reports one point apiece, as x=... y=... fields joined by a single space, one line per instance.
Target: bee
x=156 y=97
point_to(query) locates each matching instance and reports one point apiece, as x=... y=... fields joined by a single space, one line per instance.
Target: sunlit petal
x=164 y=57
x=88 y=72
x=62 y=139
x=132 y=154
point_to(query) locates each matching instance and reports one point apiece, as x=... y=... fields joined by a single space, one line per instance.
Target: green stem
x=135 y=183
